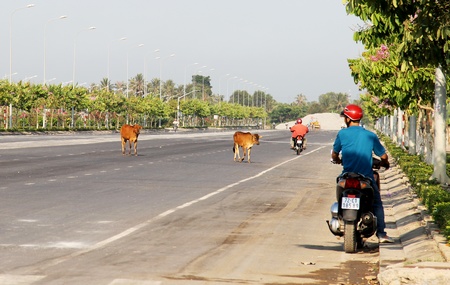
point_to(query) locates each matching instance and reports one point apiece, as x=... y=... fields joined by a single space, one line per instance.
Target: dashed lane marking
x=9 y=279
x=137 y=227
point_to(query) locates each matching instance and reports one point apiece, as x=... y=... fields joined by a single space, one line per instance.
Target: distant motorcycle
x=298 y=144
x=352 y=215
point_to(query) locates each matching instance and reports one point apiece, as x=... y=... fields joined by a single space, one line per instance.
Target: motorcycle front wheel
x=350 y=241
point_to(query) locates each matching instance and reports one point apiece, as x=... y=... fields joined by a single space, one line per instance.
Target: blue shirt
x=356 y=145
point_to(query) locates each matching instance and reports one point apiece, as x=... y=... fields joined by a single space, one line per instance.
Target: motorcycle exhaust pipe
x=334 y=227
x=334 y=210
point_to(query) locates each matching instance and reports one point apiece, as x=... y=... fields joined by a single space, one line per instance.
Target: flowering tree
x=420 y=29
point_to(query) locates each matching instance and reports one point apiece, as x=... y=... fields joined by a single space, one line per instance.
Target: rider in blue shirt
x=357 y=145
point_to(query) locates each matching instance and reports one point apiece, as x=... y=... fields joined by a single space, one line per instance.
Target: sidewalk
x=420 y=254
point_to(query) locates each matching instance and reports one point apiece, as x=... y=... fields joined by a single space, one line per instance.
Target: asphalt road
x=74 y=210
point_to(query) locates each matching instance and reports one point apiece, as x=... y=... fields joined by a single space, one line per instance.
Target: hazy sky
x=291 y=47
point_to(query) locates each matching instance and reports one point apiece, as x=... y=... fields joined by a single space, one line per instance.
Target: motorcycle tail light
x=364 y=184
x=341 y=183
x=352 y=183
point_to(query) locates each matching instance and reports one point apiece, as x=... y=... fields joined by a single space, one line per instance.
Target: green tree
x=315 y=107
x=281 y=113
x=300 y=100
x=422 y=30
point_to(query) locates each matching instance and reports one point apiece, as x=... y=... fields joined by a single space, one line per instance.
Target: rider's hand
x=336 y=161
x=385 y=163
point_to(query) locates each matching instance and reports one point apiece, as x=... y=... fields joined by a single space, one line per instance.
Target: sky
x=283 y=47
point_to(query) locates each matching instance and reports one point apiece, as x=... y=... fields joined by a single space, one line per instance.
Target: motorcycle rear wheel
x=350 y=242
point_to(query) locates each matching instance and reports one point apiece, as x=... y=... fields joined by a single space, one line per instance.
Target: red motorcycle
x=298 y=144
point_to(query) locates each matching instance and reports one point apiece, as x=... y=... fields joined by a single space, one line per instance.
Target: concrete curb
x=421 y=254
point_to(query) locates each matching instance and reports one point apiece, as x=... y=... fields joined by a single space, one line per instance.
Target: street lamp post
x=160 y=72
x=10 y=55
x=29 y=78
x=73 y=75
x=74 y=52
x=265 y=103
x=203 y=84
x=226 y=75
x=10 y=38
x=178 y=105
x=239 y=91
x=185 y=72
x=145 y=72
x=45 y=42
x=227 y=83
x=199 y=71
x=128 y=80
x=203 y=87
x=109 y=51
x=160 y=80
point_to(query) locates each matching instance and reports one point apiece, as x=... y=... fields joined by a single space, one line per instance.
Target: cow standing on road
x=130 y=133
x=246 y=141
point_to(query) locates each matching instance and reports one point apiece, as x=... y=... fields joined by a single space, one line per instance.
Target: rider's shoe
x=385 y=239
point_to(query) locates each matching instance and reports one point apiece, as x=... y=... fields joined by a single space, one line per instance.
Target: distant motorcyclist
x=298 y=130
x=357 y=145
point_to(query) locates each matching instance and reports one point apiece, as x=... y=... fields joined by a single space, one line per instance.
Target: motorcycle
x=298 y=144
x=352 y=215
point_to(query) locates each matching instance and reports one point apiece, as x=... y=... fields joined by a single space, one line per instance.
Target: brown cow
x=246 y=141
x=130 y=133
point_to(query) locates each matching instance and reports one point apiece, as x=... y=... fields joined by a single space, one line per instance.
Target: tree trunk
x=412 y=135
x=400 y=127
x=440 y=112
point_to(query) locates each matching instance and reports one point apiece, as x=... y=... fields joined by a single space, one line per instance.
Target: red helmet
x=299 y=121
x=353 y=112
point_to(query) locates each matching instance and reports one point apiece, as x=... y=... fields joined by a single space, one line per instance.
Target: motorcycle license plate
x=350 y=203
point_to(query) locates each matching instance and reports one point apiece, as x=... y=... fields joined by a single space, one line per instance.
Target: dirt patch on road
x=350 y=273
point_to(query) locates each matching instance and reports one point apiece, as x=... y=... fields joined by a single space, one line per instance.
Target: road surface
x=74 y=210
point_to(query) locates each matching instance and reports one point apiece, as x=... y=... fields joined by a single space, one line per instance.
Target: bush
x=441 y=215
x=430 y=192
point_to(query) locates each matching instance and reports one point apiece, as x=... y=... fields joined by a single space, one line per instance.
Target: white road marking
x=9 y=279
x=134 y=282
x=137 y=227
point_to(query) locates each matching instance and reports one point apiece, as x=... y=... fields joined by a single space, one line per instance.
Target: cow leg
x=135 y=148
x=129 y=143
x=249 y=150
x=236 y=152
x=244 y=150
x=123 y=146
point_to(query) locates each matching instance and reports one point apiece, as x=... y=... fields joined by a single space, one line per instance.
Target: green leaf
x=403 y=67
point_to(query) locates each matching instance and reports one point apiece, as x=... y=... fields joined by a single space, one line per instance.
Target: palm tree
x=137 y=85
x=121 y=87
x=153 y=86
x=105 y=83
x=168 y=89
x=340 y=101
x=300 y=100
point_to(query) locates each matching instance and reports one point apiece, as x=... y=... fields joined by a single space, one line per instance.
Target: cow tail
x=234 y=150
